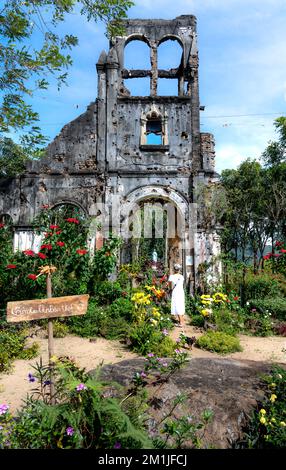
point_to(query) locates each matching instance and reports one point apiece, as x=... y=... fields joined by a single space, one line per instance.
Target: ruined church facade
x=105 y=162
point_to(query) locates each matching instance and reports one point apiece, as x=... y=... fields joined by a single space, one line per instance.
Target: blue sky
x=242 y=50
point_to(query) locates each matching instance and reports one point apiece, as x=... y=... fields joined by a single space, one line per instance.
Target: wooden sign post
x=50 y=341
x=51 y=307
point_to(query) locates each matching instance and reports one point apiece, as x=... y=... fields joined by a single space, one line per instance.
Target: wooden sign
x=67 y=306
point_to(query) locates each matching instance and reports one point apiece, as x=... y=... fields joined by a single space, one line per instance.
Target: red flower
x=42 y=256
x=278 y=244
x=124 y=294
x=282 y=250
x=107 y=253
x=267 y=256
x=2 y=225
x=32 y=276
x=276 y=255
x=52 y=227
x=58 y=232
x=45 y=206
x=29 y=252
x=81 y=252
x=72 y=220
x=235 y=298
x=47 y=246
x=228 y=301
x=11 y=266
x=60 y=243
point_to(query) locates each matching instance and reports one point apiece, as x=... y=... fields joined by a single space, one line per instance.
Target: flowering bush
x=64 y=245
x=85 y=415
x=267 y=426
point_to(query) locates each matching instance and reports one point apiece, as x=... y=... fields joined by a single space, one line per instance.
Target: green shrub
x=164 y=348
x=260 y=286
x=275 y=305
x=217 y=341
x=106 y=292
x=121 y=308
x=60 y=329
x=228 y=321
x=267 y=426
x=5 y=362
x=87 y=325
x=12 y=346
x=198 y=320
x=113 y=328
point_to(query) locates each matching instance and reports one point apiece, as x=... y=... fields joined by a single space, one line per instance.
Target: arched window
x=170 y=68
x=154 y=128
x=137 y=67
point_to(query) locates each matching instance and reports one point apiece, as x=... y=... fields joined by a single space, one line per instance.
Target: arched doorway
x=155 y=227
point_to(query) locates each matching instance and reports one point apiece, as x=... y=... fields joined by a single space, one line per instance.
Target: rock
x=230 y=388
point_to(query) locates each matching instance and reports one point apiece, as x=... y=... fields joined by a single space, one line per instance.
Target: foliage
x=259 y=324
x=60 y=329
x=217 y=341
x=105 y=258
x=228 y=321
x=274 y=305
x=64 y=245
x=197 y=320
x=106 y=291
x=267 y=425
x=121 y=307
x=260 y=286
x=84 y=416
x=27 y=68
x=12 y=346
x=13 y=158
x=87 y=325
x=91 y=413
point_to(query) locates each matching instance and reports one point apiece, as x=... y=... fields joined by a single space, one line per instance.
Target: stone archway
x=176 y=207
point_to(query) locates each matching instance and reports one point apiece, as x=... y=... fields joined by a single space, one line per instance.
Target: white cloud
x=230 y=156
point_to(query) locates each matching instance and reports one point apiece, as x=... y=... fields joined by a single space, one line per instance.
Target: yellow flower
x=155 y=312
x=141 y=299
x=262 y=411
x=206 y=312
x=262 y=420
x=219 y=297
x=54 y=359
x=273 y=385
x=273 y=420
x=283 y=424
x=273 y=398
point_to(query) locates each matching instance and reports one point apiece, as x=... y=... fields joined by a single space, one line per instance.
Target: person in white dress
x=178 y=295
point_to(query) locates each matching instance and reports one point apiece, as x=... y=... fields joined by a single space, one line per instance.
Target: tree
x=13 y=158
x=25 y=69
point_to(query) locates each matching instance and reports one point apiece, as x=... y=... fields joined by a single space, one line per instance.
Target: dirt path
x=15 y=386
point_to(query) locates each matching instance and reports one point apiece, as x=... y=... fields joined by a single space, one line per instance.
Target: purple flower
x=165 y=332
x=69 y=431
x=165 y=364
x=31 y=377
x=178 y=340
x=47 y=382
x=150 y=355
x=142 y=374
x=81 y=387
x=117 y=445
x=177 y=351
x=253 y=309
x=3 y=408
